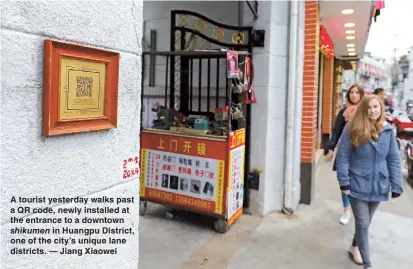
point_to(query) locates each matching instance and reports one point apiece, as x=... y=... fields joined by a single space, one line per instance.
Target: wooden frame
x=80 y=89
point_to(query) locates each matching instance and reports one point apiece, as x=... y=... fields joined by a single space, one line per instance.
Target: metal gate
x=193 y=31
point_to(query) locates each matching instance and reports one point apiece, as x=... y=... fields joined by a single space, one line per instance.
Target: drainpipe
x=290 y=102
x=240 y=13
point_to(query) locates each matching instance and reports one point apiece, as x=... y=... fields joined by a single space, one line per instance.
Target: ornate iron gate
x=193 y=31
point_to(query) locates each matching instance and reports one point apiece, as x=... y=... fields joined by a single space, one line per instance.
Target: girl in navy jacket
x=368 y=167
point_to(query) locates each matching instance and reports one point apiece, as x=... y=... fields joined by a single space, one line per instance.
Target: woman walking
x=353 y=97
x=368 y=167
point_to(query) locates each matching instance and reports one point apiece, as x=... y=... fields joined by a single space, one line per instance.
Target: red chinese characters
x=185 y=170
x=168 y=167
x=204 y=174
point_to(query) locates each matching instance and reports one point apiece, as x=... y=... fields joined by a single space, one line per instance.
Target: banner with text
x=236 y=174
x=189 y=172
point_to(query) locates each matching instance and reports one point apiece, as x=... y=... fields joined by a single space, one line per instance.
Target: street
x=313 y=238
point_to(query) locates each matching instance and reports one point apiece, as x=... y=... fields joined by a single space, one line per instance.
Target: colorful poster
x=182 y=174
x=235 y=192
x=236 y=181
x=184 y=171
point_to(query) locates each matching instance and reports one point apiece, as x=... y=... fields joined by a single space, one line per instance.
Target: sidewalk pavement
x=312 y=238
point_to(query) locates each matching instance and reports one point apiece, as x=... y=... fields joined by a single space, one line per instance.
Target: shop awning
x=348 y=25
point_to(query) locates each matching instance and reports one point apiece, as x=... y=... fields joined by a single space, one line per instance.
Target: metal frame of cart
x=226 y=155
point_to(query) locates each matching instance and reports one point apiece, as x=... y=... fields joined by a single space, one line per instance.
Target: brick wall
x=328 y=92
x=310 y=81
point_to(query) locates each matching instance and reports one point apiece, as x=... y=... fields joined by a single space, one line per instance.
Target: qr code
x=84 y=86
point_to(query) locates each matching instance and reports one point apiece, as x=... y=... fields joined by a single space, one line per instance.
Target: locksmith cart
x=193 y=134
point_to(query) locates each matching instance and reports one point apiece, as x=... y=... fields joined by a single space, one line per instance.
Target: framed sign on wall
x=80 y=89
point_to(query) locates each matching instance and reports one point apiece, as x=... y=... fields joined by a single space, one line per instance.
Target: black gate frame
x=184 y=76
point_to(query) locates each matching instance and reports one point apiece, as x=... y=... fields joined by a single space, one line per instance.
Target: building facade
x=297 y=68
x=372 y=73
x=295 y=83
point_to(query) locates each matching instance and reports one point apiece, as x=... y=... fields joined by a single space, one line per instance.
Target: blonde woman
x=368 y=167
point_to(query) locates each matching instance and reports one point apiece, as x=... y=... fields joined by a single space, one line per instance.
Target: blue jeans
x=363 y=214
x=345 y=199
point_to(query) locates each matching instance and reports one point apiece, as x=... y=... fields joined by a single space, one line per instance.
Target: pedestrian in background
x=368 y=167
x=353 y=97
x=380 y=93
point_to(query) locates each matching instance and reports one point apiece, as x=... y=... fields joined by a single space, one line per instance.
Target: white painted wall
x=269 y=114
x=86 y=164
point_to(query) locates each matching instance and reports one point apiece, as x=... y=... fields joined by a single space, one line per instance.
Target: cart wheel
x=221 y=225
x=171 y=215
x=142 y=207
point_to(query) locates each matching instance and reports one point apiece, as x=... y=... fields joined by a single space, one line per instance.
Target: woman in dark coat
x=346 y=114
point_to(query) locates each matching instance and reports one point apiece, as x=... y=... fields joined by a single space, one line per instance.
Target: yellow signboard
x=220 y=187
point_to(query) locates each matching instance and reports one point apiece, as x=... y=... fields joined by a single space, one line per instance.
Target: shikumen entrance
x=194 y=153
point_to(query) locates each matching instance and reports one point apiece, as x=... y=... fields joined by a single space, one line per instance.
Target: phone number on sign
x=178 y=199
x=183 y=200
